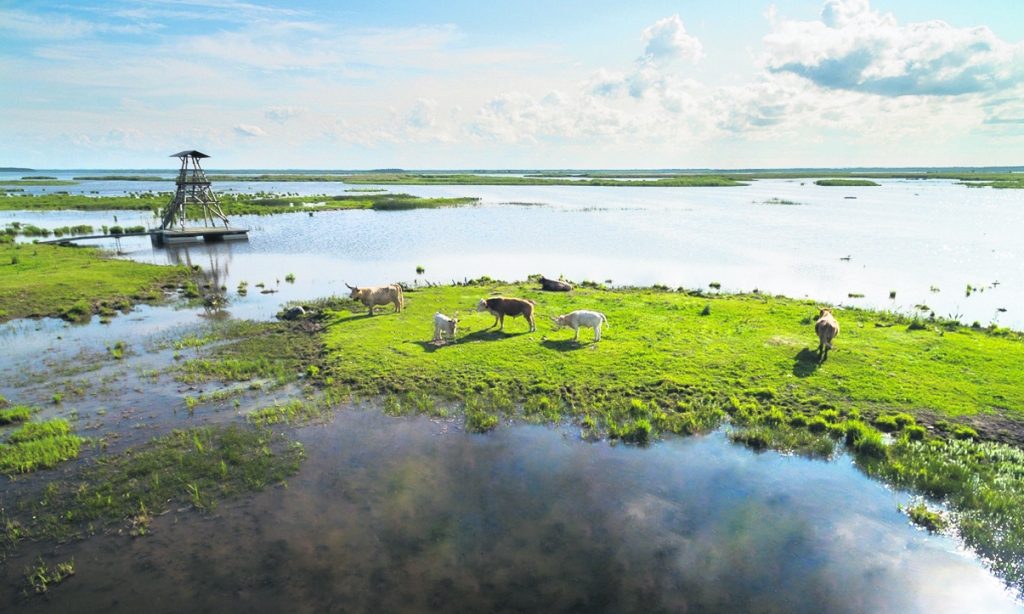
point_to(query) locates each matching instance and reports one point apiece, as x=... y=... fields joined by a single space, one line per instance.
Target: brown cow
x=827 y=328
x=553 y=285
x=499 y=307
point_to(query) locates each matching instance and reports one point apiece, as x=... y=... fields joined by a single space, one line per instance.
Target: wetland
x=212 y=456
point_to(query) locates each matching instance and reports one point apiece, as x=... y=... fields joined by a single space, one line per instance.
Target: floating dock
x=159 y=237
x=208 y=234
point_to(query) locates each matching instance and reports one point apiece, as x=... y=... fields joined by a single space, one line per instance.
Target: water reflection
x=398 y=516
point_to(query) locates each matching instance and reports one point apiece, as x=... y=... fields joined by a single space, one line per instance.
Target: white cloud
x=422 y=114
x=281 y=114
x=248 y=130
x=856 y=48
x=667 y=40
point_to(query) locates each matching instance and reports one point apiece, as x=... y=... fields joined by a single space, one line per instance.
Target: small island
x=845 y=182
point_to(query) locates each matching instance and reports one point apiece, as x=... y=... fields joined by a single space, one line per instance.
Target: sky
x=512 y=85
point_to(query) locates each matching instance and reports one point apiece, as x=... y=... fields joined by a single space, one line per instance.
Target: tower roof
x=190 y=153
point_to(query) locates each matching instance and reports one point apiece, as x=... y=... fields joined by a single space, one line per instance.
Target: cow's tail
x=605 y=319
x=401 y=299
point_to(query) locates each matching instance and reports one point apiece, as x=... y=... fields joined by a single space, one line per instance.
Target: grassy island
x=846 y=183
x=232 y=204
x=75 y=282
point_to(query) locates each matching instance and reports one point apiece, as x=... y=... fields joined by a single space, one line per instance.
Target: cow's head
x=824 y=312
x=482 y=305
x=559 y=321
x=355 y=291
x=453 y=324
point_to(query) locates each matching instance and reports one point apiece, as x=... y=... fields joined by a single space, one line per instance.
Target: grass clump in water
x=39 y=445
x=40 y=577
x=289 y=413
x=14 y=414
x=923 y=517
x=197 y=466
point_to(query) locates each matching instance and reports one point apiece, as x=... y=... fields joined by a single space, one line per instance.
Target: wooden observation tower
x=194 y=190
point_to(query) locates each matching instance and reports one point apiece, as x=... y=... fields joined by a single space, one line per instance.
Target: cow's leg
x=501 y=319
x=576 y=337
x=597 y=333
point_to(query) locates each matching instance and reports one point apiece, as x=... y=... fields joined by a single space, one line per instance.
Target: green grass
x=33 y=431
x=845 y=182
x=37 y=182
x=71 y=283
x=231 y=204
x=660 y=349
x=40 y=577
x=39 y=445
x=14 y=414
x=281 y=351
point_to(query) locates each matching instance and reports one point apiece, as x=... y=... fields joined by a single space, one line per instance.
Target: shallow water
x=907 y=236
x=397 y=515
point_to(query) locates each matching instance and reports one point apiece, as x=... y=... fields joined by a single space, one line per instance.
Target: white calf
x=444 y=327
x=583 y=318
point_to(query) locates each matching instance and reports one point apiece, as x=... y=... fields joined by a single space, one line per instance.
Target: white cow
x=583 y=318
x=444 y=327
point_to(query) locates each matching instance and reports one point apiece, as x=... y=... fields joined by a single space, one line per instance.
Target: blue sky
x=731 y=84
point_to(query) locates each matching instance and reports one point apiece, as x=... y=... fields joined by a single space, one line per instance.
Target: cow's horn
x=350 y=287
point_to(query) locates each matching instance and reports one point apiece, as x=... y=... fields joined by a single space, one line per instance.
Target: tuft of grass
x=920 y=515
x=39 y=445
x=40 y=430
x=40 y=577
x=290 y=278
x=14 y=414
x=293 y=412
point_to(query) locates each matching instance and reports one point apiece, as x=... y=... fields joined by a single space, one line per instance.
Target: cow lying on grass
x=583 y=318
x=827 y=328
x=499 y=307
x=444 y=327
x=553 y=285
x=372 y=296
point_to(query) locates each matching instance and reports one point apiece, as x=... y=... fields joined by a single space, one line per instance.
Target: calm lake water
x=396 y=515
x=926 y=240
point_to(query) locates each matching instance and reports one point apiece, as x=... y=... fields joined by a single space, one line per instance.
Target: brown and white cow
x=500 y=306
x=827 y=328
x=372 y=296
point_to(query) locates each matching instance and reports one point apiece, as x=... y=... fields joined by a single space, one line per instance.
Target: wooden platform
x=164 y=237
x=194 y=234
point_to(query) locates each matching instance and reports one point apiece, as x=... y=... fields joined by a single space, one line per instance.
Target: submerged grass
x=198 y=466
x=72 y=282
